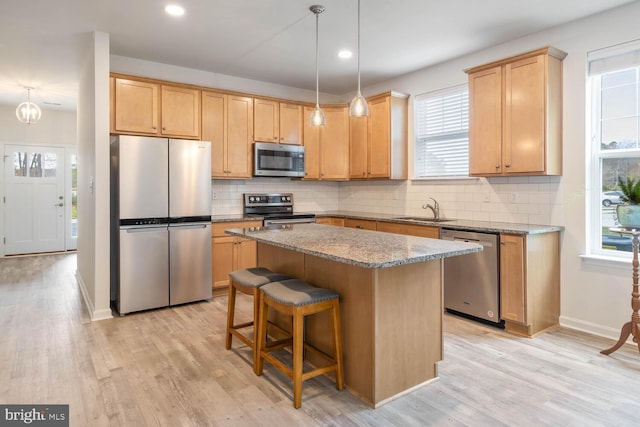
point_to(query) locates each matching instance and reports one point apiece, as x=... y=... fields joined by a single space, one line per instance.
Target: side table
x=632 y=327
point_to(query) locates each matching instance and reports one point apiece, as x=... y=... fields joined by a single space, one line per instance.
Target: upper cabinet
x=378 y=143
x=515 y=115
x=227 y=121
x=145 y=108
x=277 y=122
x=327 y=147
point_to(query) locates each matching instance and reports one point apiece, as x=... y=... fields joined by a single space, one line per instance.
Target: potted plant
x=629 y=213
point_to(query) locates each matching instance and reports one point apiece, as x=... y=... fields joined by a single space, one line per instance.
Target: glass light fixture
x=28 y=112
x=358 y=106
x=317 y=117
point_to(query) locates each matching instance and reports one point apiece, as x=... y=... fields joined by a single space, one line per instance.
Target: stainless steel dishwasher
x=471 y=282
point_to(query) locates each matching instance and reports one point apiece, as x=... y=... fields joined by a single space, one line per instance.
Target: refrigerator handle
x=184 y=226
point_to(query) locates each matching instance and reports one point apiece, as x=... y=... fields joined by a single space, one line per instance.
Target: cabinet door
x=213 y=129
x=485 y=122
x=525 y=107
x=311 y=140
x=239 y=136
x=265 y=120
x=409 y=229
x=358 y=140
x=180 y=112
x=246 y=253
x=222 y=251
x=362 y=224
x=334 y=144
x=379 y=165
x=512 y=278
x=290 y=123
x=136 y=106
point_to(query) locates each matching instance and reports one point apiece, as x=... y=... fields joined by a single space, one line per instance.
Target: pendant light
x=358 y=106
x=28 y=112
x=317 y=117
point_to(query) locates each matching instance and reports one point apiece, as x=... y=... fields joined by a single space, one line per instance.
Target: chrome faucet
x=435 y=208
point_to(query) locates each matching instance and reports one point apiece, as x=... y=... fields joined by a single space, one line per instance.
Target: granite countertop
x=363 y=248
x=458 y=224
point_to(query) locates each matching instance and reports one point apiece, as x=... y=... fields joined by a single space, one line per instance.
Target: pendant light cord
x=359 y=48
x=317 y=55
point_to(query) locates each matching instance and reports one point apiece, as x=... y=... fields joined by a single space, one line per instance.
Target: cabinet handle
x=507 y=166
x=364 y=174
x=164 y=128
x=503 y=243
x=497 y=166
x=275 y=138
x=154 y=128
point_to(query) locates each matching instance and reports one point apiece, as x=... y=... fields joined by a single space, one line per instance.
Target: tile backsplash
x=527 y=200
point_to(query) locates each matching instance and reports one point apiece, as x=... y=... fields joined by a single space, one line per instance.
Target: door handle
x=59 y=205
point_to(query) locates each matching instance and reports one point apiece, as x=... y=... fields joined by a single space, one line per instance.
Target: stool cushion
x=256 y=276
x=297 y=292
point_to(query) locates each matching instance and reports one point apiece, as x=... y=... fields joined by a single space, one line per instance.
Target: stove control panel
x=271 y=199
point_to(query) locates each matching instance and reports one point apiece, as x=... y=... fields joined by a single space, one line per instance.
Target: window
x=614 y=77
x=442 y=133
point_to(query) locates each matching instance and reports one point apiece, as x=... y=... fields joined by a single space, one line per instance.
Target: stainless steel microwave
x=271 y=159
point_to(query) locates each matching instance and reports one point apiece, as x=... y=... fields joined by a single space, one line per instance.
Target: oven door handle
x=289 y=221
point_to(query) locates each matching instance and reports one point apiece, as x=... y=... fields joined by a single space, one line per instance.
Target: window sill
x=606 y=261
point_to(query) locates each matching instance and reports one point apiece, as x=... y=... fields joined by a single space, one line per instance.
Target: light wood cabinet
x=409 y=229
x=515 y=115
x=327 y=147
x=530 y=282
x=229 y=253
x=277 y=122
x=378 y=143
x=330 y=220
x=141 y=107
x=363 y=224
x=227 y=121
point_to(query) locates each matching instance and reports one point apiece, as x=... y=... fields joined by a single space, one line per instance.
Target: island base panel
x=391 y=320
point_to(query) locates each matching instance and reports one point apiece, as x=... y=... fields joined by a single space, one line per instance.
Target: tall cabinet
x=227 y=121
x=327 y=147
x=378 y=143
x=515 y=115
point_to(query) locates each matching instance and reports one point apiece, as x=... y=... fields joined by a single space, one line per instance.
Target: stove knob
x=288 y=198
x=252 y=199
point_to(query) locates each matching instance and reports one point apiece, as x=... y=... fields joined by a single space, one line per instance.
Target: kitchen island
x=390 y=288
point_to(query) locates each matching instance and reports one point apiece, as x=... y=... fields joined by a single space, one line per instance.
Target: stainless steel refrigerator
x=160 y=222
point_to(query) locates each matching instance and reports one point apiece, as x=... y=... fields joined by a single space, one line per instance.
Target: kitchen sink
x=423 y=219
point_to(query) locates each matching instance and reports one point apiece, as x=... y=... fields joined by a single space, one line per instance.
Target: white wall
x=93 y=175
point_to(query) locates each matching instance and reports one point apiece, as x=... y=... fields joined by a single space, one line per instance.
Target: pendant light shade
x=28 y=112
x=359 y=106
x=317 y=117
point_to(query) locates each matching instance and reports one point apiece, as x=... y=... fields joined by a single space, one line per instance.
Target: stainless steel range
x=276 y=208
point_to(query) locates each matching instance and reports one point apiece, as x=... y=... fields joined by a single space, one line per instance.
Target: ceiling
x=266 y=40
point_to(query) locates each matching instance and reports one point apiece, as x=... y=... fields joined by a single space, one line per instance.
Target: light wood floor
x=169 y=367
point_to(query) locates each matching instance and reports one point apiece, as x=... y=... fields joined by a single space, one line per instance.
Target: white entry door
x=34 y=206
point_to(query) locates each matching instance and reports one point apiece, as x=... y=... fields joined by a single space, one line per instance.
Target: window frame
x=606 y=61
x=418 y=143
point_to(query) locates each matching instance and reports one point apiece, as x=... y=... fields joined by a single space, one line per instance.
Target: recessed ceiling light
x=345 y=54
x=174 y=10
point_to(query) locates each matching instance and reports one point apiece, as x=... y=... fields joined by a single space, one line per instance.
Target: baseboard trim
x=592 y=328
x=93 y=313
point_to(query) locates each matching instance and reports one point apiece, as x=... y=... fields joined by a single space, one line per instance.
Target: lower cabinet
x=229 y=253
x=530 y=282
x=330 y=220
x=363 y=224
x=409 y=229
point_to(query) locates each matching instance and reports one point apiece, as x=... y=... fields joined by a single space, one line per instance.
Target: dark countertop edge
x=488 y=226
x=240 y=232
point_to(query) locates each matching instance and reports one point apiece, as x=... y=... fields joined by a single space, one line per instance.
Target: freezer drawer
x=190 y=262
x=144 y=274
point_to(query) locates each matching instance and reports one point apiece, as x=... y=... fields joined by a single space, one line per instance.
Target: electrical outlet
x=513 y=197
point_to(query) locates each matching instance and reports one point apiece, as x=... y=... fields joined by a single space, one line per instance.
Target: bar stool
x=247 y=281
x=298 y=299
